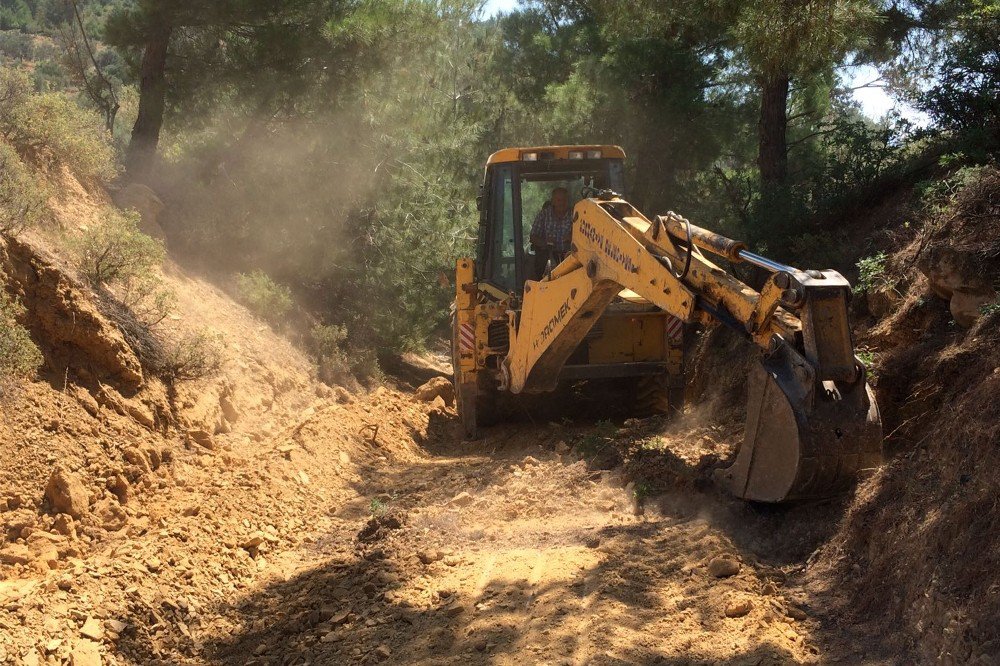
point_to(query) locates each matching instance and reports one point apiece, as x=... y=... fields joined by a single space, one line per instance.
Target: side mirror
x=479 y=202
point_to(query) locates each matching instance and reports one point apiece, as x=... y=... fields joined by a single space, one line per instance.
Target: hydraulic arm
x=812 y=422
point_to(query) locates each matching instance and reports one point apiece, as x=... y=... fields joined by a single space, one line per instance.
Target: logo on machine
x=556 y=319
x=615 y=253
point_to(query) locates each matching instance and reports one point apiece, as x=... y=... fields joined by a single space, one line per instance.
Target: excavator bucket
x=804 y=438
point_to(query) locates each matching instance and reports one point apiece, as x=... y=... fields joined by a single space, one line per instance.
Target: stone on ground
x=66 y=493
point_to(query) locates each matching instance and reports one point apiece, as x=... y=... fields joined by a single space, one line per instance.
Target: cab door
x=500 y=246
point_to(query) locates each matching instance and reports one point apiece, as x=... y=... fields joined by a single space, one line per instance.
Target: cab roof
x=557 y=152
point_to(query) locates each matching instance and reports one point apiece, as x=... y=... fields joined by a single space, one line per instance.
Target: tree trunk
x=152 y=100
x=772 y=156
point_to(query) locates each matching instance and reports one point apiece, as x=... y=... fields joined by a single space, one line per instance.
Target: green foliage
x=338 y=361
x=52 y=129
x=965 y=94
x=776 y=38
x=19 y=357
x=189 y=356
x=990 y=309
x=23 y=198
x=266 y=298
x=16 y=45
x=15 y=15
x=115 y=252
x=872 y=274
x=313 y=148
x=870 y=360
x=378 y=507
x=597 y=440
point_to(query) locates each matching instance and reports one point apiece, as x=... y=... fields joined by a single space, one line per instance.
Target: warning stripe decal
x=467 y=338
x=675 y=330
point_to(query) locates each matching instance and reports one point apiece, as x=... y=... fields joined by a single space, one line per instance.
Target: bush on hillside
x=51 y=128
x=339 y=362
x=116 y=251
x=266 y=298
x=23 y=200
x=189 y=357
x=19 y=357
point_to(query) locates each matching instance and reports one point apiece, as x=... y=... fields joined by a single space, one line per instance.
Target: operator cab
x=518 y=183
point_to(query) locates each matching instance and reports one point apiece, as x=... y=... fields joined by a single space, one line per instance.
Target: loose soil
x=367 y=532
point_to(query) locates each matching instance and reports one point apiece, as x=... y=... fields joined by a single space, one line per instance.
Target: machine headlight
x=593 y=154
x=529 y=157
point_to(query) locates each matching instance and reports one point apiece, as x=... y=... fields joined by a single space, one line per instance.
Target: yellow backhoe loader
x=617 y=304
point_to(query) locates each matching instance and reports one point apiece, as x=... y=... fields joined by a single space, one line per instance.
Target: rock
x=437 y=405
x=31 y=658
x=87 y=401
x=739 y=608
x=967 y=307
x=342 y=395
x=383 y=651
x=140 y=413
x=530 y=461
x=143 y=200
x=229 y=410
x=429 y=556
x=64 y=525
x=66 y=493
x=92 y=629
x=795 y=613
x=115 y=626
x=254 y=542
x=462 y=499
x=723 y=566
x=111 y=515
x=45 y=546
x=15 y=553
x=438 y=387
x=85 y=653
x=454 y=609
x=120 y=488
x=202 y=438
x=153 y=564
x=562 y=447
x=958 y=276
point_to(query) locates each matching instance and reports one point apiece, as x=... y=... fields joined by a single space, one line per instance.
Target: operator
x=551 y=231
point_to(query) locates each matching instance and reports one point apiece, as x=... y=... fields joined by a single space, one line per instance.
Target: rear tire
x=475 y=400
x=654 y=396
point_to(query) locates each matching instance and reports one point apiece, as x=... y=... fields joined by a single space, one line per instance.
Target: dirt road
x=370 y=533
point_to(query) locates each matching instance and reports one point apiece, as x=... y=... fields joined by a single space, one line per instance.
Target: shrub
x=116 y=251
x=23 y=200
x=51 y=128
x=190 y=356
x=872 y=274
x=265 y=297
x=339 y=362
x=19 y=357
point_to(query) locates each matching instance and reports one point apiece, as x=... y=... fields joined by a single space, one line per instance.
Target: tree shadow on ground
x=359 y=607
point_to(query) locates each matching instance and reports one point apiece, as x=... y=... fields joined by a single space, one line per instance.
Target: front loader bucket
x=804 y=439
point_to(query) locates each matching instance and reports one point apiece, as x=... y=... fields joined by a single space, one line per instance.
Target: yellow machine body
x=618 y=303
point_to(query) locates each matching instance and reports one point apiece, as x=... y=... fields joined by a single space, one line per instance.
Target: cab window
x=503 y=252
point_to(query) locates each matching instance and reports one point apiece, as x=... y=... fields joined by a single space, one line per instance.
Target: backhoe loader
x=619 y=304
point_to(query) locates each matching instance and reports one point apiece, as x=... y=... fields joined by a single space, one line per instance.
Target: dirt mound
x=918 y=543
x=63 y=320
